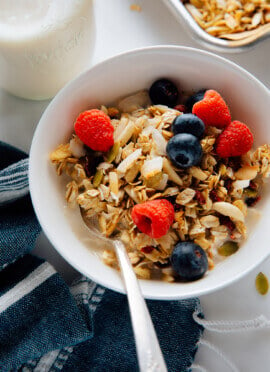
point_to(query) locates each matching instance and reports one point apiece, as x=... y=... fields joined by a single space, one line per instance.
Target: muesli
x=173 y=181
x=222 y=18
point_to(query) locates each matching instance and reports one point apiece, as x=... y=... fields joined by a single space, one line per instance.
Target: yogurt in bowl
x=137 y=70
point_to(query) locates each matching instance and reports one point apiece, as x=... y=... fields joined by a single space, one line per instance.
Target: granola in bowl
x=177 y=213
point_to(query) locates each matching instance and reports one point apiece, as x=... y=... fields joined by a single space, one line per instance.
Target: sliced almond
x=129 y=161
x=126 y=134
x=134 y=196
x=113 y=181
x=247 y=172
x=241 y=205
x=160 y=142
x=229 y=210
x=173 y=176
x=132 y=173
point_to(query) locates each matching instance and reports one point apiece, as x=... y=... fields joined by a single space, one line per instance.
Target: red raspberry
x=95 y=130
x=154 y=217
x=235 y=140
x=212 y=110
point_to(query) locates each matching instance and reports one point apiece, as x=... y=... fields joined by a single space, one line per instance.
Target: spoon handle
x=148 y=350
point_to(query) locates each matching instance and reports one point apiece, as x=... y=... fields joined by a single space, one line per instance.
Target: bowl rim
x=32 y=183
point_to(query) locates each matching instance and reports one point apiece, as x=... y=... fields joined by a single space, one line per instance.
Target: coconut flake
x=129 y=162
x=134 y=102
x=105 y=166
x=162 y=183
x=160 y=142
x=76 y=147
x=238 y=185
x=152 y=166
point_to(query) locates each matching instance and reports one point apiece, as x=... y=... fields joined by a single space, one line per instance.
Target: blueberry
x=164 y=92
x=184 y=150
x=189 y=261
x=196 y=97
x=188 y=123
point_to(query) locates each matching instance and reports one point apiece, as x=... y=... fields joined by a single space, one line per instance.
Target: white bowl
x=249 y=102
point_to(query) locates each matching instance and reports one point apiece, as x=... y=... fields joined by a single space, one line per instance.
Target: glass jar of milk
x=44 y=44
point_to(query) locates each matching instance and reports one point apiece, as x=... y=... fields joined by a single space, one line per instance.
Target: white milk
x=44 y=44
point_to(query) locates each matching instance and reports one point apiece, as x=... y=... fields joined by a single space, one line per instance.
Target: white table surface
x=119 y=29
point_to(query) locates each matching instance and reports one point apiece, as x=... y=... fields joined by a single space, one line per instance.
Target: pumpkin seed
x=228 y=248
x=112 y=153
x=249 y=193
x=262 y=284
x=98 y=178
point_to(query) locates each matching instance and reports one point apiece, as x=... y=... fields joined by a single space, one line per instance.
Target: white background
x=119 y=29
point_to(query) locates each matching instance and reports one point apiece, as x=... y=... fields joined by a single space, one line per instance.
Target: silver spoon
x=147 y=346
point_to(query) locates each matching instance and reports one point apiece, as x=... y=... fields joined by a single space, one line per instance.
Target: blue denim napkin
x=46 y=326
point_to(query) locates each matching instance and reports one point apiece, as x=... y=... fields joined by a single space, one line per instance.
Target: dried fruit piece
x=262 y=284
x=181 y=108
x=228 y=248
x=148 y=249
x=214 y=196
x=250 y=202
x=90 y=163
x=226 y=221
x=200 y=198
